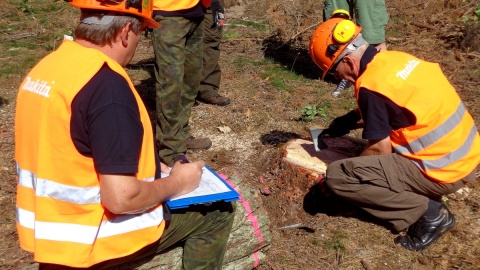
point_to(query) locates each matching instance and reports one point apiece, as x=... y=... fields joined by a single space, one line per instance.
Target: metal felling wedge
x=317 y=140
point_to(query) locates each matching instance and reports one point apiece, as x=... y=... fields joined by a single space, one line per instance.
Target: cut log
x=300 y=154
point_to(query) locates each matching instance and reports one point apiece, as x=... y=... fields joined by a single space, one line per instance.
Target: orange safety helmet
x=331 y=39
x=141 y=8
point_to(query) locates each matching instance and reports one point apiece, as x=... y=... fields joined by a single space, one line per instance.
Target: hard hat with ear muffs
x=140 y=8
x=340 y=13
x=332 y=38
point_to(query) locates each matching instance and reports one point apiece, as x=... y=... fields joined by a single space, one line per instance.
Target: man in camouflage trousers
x=208 y=90
x=178 y=54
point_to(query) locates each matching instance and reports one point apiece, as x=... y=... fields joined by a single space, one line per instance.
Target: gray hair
x=101 y=27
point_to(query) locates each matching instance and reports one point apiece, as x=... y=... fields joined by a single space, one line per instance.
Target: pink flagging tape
x=250 y=216
x=256 y=260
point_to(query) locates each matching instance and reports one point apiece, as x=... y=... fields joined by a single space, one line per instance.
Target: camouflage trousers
x=211 y=54
x=178 y=69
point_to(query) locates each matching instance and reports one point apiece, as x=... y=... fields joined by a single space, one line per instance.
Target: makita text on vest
x=37 y=87
x=409 y=67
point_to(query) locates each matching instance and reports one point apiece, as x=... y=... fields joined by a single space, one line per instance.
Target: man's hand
x=218 y=14
x=125 y=194
x=343 y=124
x=187 y=176
x=381 y=47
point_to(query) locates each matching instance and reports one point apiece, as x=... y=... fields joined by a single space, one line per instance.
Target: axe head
x=317 y=139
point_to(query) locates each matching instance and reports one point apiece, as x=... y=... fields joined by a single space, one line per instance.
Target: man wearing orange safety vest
x=178 y=71
x=418 y=147
x=89 y=190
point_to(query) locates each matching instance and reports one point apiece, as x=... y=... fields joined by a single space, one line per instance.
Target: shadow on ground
x=293 y=58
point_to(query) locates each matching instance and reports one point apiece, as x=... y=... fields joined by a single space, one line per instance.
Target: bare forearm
x=123 y=194
x=135 y=196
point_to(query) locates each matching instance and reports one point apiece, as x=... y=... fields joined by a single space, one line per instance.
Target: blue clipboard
x=209 y=178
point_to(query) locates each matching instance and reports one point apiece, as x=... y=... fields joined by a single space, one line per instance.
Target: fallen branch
x=424 y=26
x=392 y=39
x=366 y=265
x=473 y=55
x=241 y=39
x=296 y=35
x=19 y=36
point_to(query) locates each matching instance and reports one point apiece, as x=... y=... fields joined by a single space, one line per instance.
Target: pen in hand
x=182 y=159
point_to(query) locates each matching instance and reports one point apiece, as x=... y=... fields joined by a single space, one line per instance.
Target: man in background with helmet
x=89 y=191
x=418 y=147
x=371 y=15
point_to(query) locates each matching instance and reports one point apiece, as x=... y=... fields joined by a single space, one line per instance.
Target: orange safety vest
x=444 y=143
x=60 y=216
x=175 y=5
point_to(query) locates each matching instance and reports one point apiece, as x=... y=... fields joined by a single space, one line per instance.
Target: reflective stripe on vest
x=428 y=165
x=444 y=142
x=66 y=193
x=435 y=136
x=82 y=233
x=60 y=216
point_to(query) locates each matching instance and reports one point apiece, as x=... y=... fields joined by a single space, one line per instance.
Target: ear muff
x=344 y=31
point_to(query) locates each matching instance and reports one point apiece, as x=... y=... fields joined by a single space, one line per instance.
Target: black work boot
x=198 y=144
x=426 y=231
x=216 y=100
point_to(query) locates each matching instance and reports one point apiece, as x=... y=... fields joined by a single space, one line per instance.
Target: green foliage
x=336 y=243
x=25 y=7
x=475 y=16
x=309 y=112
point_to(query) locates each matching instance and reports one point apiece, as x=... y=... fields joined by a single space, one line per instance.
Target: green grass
x=261 y=26
x=18 y=67
x=229 y=35
x=29 y=37
x=336 y=243
x=278 y=76
x=14 y=46
x=241 y=62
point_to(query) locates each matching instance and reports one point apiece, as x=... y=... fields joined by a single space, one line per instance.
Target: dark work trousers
x=389 y=187
x=203 y=232
x=211 y=54
x=178 y=70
